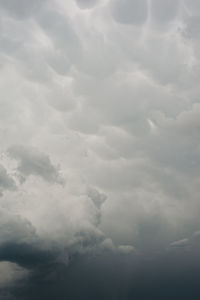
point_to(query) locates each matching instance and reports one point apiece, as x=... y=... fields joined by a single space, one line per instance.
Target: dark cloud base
x=106 y=277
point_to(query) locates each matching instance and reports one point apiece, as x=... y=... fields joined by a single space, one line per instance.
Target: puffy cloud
x=97 y=198
x=32 y=162
x=14 y=229
x=6 y=181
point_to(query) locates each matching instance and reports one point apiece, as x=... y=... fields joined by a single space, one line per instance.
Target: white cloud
x=180 y=243
x=126 y=249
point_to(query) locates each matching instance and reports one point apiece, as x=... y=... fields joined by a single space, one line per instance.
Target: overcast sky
x=100 y=149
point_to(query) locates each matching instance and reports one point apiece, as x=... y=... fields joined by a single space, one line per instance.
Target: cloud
x=192 y=5
x=15 y=231
x=126 y=249
x=20 y=9
x=130 y=12
x=164 y=11
x=32 y=162
x=180 y=243
x=10 y=272
x=6 y=181
x=86 y=4
x=191 y=244
x=102 y=95
x=97 y=198
x=66 y=44
x=11 y=275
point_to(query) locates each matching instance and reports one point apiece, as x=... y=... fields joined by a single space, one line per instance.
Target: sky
x=100 y=149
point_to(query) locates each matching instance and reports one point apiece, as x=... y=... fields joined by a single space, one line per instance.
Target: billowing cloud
x=6 y=181
x=32 y=162
x=99 y=159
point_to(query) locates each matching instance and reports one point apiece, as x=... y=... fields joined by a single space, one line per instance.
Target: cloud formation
x=32 y=162
x=99 y=164
x=6 y=181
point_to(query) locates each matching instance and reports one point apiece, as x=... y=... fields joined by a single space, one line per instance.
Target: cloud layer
x=99 y=160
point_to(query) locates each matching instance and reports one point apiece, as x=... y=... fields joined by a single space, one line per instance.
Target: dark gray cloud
x=6 y=181
x=14 y=229
x=108 y=277
x=33 y=162
x=97 y=198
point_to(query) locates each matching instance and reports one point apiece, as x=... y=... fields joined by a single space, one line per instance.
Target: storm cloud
x=99 y=159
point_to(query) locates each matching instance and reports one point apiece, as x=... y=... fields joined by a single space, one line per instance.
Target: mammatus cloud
x=130 y=12
x=99 y=164
x=86 y=4
x=21 y=9
x=164 y=11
